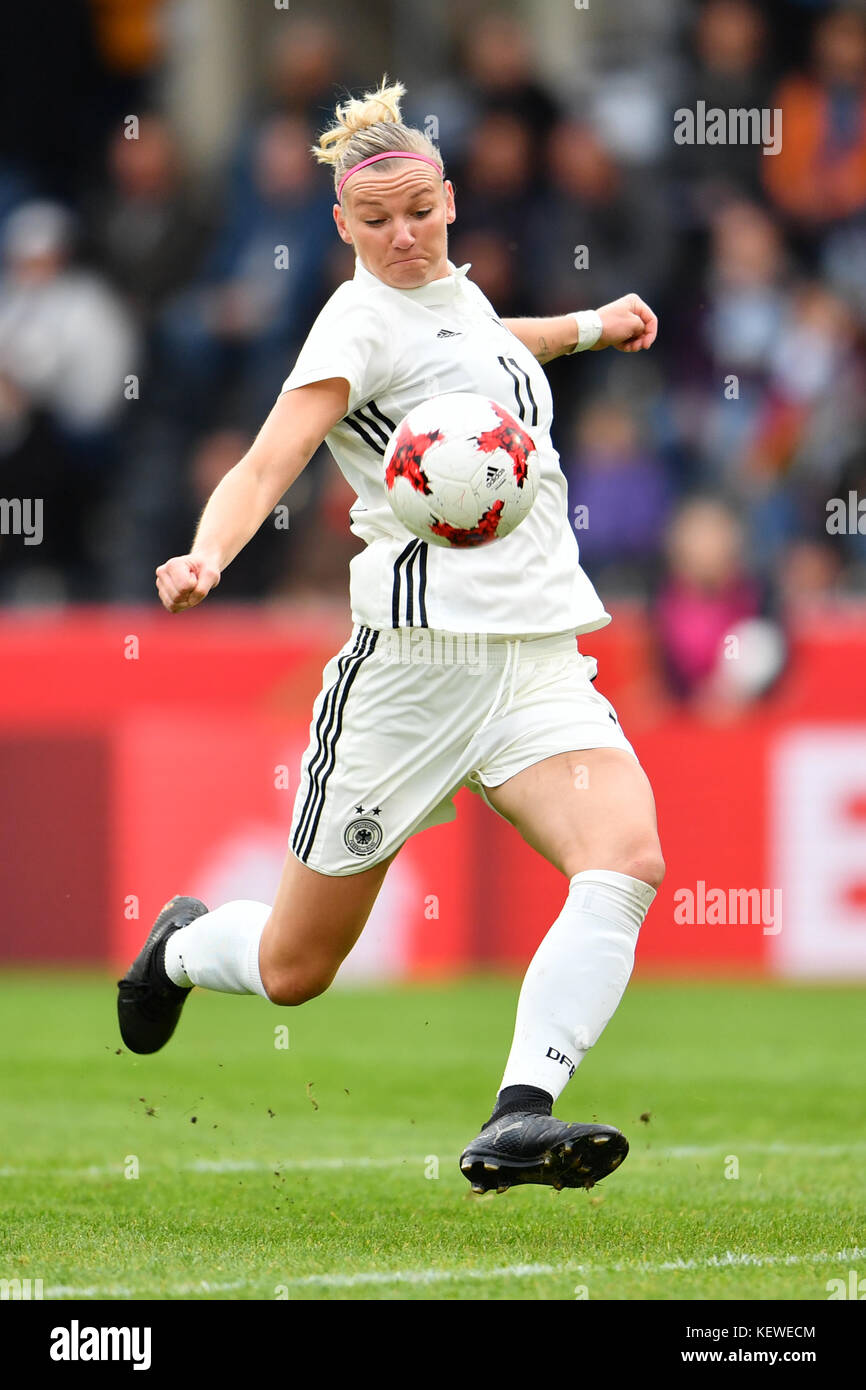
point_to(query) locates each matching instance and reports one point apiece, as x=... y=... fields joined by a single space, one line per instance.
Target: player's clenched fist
x=627 y=324
x=185 y=580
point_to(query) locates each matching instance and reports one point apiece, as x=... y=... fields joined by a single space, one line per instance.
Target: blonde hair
x=371 y=126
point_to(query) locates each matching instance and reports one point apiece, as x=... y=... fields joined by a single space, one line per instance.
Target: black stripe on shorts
x=328 y=728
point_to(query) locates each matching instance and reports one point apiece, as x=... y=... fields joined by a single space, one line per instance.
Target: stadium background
x=145 y=330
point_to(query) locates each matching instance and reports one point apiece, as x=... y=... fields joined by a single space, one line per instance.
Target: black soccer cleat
x=522 y=1148
x=148 y=1002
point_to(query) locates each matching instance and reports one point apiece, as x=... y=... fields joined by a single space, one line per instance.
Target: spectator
x=498 y=63
x=148 y=229
x=305 y=66
x=747 y=281
x=819 y=177
x=235 y=330
x=67 y=346
x=707 y=607
x=809 y=575
x=302 y=72
x=66 y=342
x=814 y=396
x=586 y=246
x=723 y=355
x=729 y=72
x=842 y=262
x=491 y=261
x=492 y=195
x=619 y=496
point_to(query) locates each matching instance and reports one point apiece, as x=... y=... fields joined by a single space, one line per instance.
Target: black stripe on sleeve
x=525 y=374
x=367 y=438
x=504 y=362
x=373 y=426
x=391 y=425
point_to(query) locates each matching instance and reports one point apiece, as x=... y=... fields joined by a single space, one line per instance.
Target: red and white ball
x=461 y=470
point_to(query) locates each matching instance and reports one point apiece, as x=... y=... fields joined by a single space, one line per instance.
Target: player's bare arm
x=248 y=493
x=628 y=324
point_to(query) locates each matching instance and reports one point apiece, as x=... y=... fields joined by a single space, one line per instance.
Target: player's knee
x=647 y=865
x=293 y=986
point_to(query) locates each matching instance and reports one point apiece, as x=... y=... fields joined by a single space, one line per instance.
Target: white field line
x=730 y=1260
x=291 y=1165
x=230 y=1165
x=705 y=1150
x=222 y=1165
x=373 y=1278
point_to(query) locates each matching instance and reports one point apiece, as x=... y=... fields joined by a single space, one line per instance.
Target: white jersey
x=397 y=348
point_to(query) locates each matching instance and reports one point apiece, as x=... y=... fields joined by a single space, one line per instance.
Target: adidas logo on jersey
x=447 y=333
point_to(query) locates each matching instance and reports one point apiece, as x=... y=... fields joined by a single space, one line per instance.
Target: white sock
x=576 y=978
x=220 y=950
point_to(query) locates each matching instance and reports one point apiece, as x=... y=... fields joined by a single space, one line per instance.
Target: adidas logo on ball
x=493 y=476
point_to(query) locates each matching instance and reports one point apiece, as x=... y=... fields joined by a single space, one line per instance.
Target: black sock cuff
x=527 y=1100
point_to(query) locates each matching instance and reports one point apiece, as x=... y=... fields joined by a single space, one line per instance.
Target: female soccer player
x=392 y=739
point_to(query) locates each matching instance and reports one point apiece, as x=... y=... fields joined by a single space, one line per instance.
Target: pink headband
x=388 y=154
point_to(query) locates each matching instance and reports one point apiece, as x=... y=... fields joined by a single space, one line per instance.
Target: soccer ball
x=460 y=470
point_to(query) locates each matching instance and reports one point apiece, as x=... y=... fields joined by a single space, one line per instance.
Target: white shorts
x=408 y=716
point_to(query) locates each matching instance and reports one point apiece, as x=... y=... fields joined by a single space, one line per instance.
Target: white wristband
x=589 y=330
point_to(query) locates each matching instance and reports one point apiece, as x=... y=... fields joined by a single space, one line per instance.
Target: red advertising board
x=144 y=755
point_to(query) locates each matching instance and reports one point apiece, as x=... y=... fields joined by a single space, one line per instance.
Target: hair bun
x=381 y=107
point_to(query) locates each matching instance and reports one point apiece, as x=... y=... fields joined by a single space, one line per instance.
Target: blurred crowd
x=145 y=330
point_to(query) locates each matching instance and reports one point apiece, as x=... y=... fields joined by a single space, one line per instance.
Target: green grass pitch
x=328 y=1169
